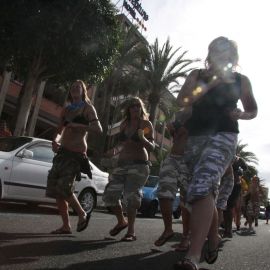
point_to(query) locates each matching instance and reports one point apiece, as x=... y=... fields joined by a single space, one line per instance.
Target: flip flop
x=116 y=230
x=83 y=225
x=183 y=245
x=129 y=238
x=211 y=256
x=163 y=239
x=186 y=264
x=61 y=231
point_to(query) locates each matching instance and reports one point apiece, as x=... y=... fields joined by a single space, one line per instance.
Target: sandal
x=211 y=256
x=61 y=231
x=187 y=264
x=117 y=229
x=129 y=238
x=163 y=239
x=83 y=225
x=183 y=245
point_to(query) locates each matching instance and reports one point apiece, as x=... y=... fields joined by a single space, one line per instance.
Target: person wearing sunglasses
x=213 y=94
x=128 y=178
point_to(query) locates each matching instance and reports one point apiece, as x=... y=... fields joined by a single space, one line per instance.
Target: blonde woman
x=136 y=137
x=69 y=144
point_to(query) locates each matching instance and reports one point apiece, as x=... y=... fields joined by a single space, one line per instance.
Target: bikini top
x=80 y=118
x=134 y=137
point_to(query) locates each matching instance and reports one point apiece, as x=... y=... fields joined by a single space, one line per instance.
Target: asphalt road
x=25 y=243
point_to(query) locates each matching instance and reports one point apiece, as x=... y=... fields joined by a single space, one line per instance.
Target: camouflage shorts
x=253 y=209
x=173 y=174
x=61 y=177
x=208 y=157
x=126 y=180
x=225 y=189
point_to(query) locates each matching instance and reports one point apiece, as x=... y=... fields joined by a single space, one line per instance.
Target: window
x=11 y=143
x=42 y=152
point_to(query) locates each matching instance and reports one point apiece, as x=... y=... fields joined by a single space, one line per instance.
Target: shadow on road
x=29 y=208
x=29 y=252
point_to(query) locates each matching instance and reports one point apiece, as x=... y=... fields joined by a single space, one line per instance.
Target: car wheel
x=88 y=200
x=177 y=213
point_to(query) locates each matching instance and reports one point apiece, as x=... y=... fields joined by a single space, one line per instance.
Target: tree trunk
x=153 y=113
x=4 y=89
x=163 y=134
x=106 y=118
x=25 y=106
x=34 y=117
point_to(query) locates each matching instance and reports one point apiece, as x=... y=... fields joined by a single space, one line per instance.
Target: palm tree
x=249 y=158
x=162 y=71
x=122 y=79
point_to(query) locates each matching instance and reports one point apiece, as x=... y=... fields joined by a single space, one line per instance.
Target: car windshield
x=151 y=181
x=11 y=143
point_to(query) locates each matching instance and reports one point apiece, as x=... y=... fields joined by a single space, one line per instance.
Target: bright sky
x=193 y=24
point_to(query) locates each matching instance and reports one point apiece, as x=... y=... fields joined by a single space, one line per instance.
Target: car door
x=28 y=178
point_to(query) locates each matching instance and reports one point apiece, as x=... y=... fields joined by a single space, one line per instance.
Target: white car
x=24 y=166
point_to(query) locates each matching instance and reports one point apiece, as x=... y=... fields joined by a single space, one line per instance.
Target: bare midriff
x=74 y=139
x=133 y=151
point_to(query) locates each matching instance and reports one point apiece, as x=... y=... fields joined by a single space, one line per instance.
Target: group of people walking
x=204 y=134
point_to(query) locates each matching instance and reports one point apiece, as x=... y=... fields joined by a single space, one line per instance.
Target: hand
x=235 y=114
x=55 y=146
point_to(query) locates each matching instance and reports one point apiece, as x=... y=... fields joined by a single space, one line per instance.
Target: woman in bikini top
x=136 y=134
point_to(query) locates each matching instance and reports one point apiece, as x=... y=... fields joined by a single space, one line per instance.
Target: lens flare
x=186 y=100
x=197 y=91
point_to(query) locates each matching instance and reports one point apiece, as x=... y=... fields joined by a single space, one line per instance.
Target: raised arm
x=147 y=136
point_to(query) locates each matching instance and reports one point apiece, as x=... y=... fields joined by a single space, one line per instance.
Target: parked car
x=24 y=166
x=150 y=203
x=262 y=212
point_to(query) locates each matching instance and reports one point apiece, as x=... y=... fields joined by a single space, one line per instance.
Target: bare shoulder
x=89 y=107
x=245 y=83
x=146 y=123
x=244 y=78
x=195 y=73
x=190 y=83
x=90 y=111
